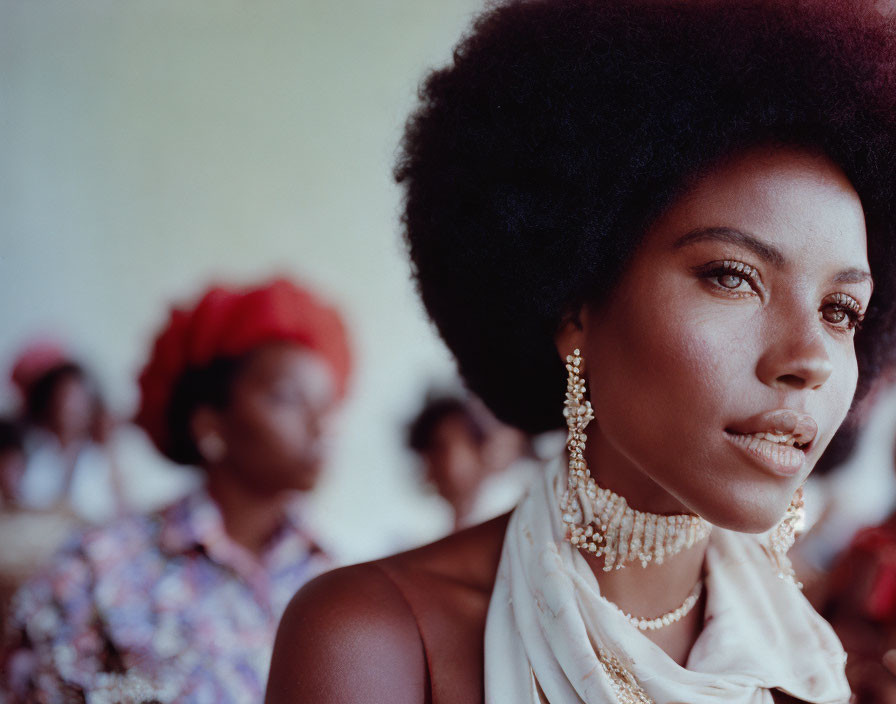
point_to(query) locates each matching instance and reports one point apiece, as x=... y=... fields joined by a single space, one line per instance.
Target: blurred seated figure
x=478 y=465
x=855 y=481
x=12 y=467
x=861 y=605
x=183 y=604
x=65 y=424
x=12 y=462
x=27 y=538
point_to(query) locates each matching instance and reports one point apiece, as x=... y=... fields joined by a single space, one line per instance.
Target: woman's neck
x=614 y=471
x=658 y=588
x=655 y=590
x=250 y=518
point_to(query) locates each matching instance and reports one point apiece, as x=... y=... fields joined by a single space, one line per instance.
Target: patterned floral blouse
x=164 y=608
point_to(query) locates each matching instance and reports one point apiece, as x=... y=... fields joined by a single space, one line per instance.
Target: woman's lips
x=782 y=458
x=777 y=439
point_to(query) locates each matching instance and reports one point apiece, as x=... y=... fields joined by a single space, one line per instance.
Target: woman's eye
x=845 y=315
x=731 y=281
x=838 y=315
x=730 y=276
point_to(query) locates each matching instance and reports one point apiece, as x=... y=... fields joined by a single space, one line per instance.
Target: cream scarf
x=547 y=619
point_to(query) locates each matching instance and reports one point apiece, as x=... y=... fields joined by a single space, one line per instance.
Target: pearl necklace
x=599 y=520
x=668 y=618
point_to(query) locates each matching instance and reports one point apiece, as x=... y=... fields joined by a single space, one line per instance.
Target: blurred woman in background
x=63 y=417
x=861 y=605
x=183 y=604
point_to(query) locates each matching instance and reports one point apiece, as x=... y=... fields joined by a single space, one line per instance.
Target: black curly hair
x=539 y=156
x=41 y=393
x=421 y=430
x=210 y=385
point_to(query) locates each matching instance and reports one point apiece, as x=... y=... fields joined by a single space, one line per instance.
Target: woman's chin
x=746 y=519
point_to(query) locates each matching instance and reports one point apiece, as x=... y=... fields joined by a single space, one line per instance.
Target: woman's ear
x=205 y=427
x=570 y=336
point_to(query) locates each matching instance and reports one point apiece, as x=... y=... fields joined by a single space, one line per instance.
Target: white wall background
x=148 y=147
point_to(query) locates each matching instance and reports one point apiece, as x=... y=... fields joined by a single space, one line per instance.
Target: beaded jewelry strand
x=600 y=521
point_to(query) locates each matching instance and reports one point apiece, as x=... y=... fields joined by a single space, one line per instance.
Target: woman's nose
x=796 y=357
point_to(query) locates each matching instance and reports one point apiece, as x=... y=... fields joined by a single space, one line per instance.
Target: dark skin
x=352 y=635
x=12 y=467
x=684 y=351
x=270 y=439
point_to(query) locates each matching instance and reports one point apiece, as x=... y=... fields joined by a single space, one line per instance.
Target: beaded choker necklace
x=600 y=521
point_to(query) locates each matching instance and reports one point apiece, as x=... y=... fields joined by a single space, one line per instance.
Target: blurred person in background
x=855 y=486
x=852 y=487
x=56 y=471
x=66 y=429
x=478 y=465
x=12 y=462
x=27 y=538
x=182 y=605
x=860 y=602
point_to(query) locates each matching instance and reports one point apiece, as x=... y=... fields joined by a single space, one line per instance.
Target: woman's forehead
x=286 y=361
x=781 y=204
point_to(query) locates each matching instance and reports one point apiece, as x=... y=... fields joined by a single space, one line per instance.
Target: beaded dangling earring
x=783 y=535
x=600 y=521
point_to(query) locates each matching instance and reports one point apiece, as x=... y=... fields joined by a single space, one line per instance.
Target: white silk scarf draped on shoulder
x=547 y=619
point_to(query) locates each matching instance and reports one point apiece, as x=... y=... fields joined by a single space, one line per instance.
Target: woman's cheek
x=700 y=340
x=841 y=390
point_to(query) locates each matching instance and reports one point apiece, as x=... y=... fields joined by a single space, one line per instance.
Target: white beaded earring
x=783 y=535
x=601 y=522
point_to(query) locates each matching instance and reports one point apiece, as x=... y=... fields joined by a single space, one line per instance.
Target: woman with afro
x=667 y=227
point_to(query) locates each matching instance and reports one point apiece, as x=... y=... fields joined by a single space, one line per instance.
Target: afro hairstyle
x=536 y=160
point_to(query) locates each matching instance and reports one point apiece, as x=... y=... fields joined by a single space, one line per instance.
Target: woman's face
x=275 y=426
x=71 y=409
x=454 y=461
x=728 y=341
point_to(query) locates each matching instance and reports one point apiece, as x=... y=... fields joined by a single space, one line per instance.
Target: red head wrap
x=228 y=322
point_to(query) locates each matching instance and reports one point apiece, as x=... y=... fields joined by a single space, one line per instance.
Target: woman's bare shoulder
x=468 y=558
x=348 y=636
x=354 y=634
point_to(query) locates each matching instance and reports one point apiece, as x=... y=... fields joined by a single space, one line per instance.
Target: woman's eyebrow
x=765 y=251
x=854 y=276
